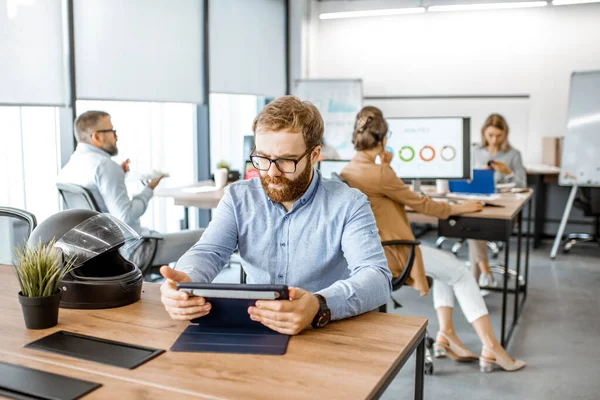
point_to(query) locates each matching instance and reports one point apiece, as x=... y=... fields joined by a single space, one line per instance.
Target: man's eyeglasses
x=285 y=165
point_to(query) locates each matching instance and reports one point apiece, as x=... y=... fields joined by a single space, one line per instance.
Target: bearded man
x=291 y=227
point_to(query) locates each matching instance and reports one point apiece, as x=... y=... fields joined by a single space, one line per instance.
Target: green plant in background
x=223 y=164
x=39 y=270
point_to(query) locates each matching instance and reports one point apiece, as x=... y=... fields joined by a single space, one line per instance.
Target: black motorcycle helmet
x=102 y=277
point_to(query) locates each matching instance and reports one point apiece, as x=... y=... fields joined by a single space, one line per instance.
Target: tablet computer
x=235 y=291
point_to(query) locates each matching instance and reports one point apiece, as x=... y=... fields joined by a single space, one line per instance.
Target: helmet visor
x=94 y=236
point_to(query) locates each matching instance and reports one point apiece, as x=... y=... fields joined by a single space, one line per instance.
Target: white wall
x=507 y=52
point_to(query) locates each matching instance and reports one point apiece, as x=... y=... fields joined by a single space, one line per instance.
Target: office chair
x=588 y=200
x=78 y=197
x=16 y=225
x=493 y=246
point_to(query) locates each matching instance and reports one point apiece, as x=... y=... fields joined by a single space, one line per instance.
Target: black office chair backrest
x=16 y=226
x=77 y=197
x=588 y=199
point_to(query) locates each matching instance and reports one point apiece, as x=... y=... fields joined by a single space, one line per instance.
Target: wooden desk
x=497 y=224
x=352 y=359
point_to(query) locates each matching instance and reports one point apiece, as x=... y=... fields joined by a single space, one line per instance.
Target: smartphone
x=233 y=291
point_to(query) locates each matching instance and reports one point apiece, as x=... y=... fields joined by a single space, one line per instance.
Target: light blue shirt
x=327 y=243
x=93 y=169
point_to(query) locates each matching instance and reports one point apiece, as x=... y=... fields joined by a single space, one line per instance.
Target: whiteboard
x=580 y=163
x=514 y=109
x=338 y=101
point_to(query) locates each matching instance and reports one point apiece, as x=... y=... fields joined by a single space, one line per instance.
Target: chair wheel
x=428 y=368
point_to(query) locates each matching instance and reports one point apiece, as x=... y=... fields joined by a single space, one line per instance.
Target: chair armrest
x=401 y=242
x=152 y=235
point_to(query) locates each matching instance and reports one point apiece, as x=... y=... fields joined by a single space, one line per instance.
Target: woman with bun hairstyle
x=389 y=196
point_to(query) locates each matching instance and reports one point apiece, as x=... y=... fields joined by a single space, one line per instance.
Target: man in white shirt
x=91 y=167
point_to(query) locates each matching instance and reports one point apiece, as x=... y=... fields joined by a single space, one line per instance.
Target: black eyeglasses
x=108 y=130
x=285 y=165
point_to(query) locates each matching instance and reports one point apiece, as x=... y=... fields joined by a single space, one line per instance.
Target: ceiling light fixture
x=570 y=2
x=372 y=13
x=488 y=6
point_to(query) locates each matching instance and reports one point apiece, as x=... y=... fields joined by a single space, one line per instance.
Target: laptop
x=482 y=186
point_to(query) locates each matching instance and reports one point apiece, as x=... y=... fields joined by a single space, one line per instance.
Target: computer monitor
x=430 y=148
x=328 y=166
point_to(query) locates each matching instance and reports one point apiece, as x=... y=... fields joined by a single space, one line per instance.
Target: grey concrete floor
x=558 y=334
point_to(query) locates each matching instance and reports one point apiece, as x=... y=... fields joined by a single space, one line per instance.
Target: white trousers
x=452 y=278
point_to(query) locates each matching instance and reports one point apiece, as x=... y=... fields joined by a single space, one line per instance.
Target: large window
x=29 y=159
x=154 y=136
x=231 y=117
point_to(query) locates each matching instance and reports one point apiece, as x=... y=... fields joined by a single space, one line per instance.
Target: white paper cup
x=441 y=186
x=221 y=177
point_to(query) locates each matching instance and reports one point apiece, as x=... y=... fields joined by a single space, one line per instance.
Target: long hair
x=497 y=121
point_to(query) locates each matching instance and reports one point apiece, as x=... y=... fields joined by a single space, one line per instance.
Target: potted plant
x=39 y=271
x=232 y=175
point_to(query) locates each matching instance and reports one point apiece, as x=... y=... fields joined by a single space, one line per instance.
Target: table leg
x=519 y=239
x=505 y=289
x=540 y=210
x=186 y=218
x=420 y=369
x=526 y=278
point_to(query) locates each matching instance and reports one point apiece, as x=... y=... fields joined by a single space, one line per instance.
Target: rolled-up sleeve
x=203 y=262
x=369 y=285
x=110 y=180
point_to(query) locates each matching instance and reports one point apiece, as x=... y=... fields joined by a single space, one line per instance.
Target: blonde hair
x=369 y=129
x=293 y=115
x=86 y=123
x=497 y=121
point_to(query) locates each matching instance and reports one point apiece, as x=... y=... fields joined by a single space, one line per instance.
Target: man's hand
x=125 y=165
x=501 y=167
x=386 y=157
x=289 y=317
x=180 y=305
x=154 y=182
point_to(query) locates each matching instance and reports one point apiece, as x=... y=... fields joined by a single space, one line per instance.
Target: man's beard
x=112 y=150
x=290 y=190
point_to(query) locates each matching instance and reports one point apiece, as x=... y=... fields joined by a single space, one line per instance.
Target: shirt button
x=280 y=276
x=282 y=244
x=286 y=217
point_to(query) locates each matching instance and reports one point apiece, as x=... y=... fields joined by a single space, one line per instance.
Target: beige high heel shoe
x=452 y=350
x=487 y=365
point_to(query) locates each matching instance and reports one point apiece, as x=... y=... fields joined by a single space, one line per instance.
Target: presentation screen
x=430 y=148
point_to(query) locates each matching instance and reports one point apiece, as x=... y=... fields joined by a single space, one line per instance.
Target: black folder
x=17 y=382
x=229 y=329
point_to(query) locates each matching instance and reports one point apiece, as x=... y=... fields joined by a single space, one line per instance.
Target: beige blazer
x=388 y=196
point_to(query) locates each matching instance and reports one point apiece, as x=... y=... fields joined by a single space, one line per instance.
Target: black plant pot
x=40 y=312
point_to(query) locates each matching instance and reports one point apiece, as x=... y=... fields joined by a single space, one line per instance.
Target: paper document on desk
x=200 y=189
x=473 y=196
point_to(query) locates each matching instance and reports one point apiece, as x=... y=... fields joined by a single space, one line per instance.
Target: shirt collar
x=89 y=148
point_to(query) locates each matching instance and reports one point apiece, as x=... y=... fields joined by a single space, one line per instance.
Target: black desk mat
x=90 y=348
x=17 y=382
